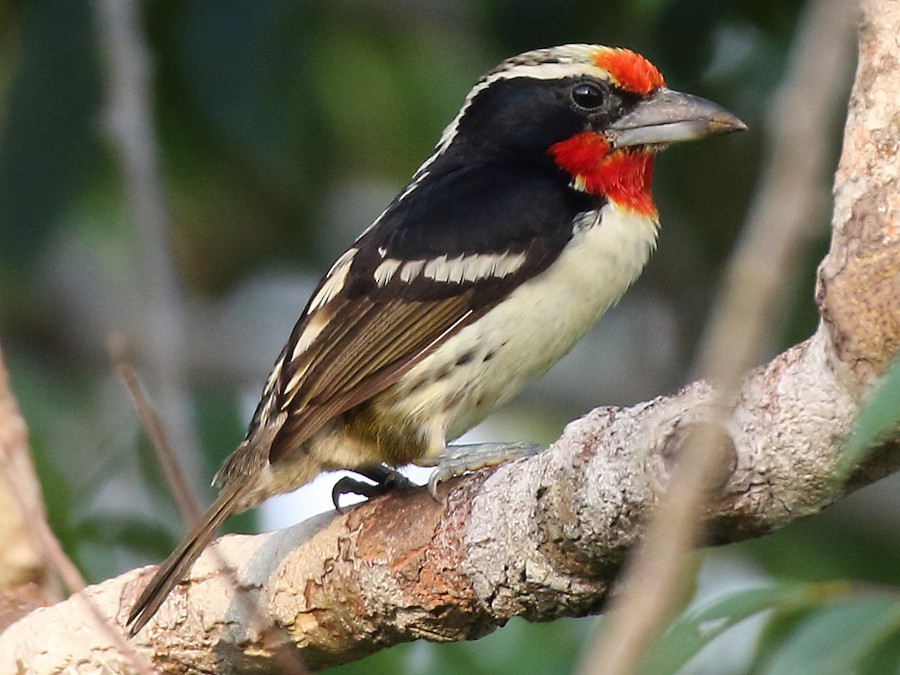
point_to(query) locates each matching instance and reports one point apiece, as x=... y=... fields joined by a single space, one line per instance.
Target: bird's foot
x=456 y=460
x=386 y=479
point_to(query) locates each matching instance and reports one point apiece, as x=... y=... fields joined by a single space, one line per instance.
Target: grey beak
x=669 y=117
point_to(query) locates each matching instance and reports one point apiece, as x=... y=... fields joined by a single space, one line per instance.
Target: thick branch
x=859 y=280
x=756 y=279
x=539 y=538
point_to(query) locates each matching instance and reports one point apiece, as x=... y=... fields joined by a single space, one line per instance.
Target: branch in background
x=782 y=214
x=31 y=534
x=779 y=222
x=160 y=327
x=26 y=579
x=168 y=461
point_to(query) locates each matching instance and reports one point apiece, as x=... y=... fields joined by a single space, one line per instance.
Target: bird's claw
x=459 y=459
x=386 y=480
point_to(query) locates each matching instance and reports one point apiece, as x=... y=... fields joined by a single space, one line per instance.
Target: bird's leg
x=386 y=479
x=455 y=460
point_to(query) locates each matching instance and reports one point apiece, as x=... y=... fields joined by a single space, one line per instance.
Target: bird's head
x=597 y=113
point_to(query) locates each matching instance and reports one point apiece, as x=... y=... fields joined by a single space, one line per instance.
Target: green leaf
x=695 y=629
x=518 y=647
x=877 y=418
x=883 y=660
x=824 y=549
x=778 y=630
x=836 y=640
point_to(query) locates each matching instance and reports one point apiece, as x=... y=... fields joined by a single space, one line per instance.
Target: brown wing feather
x=372 y=334
x=364 y=349
x=400 y=330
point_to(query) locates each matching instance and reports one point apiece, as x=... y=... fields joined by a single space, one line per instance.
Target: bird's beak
x=668 y=117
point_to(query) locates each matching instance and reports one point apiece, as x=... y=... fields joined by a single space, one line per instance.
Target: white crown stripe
x=542 y=64
x=573 y=60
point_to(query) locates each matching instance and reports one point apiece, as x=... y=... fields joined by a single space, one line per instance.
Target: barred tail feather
x=176 y=566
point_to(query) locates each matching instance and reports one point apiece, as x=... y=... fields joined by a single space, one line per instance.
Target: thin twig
x=778 y=223
x=171 y=467
x=290 y=661
x=285 y=654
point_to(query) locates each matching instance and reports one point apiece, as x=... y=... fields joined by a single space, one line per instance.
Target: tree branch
x=540 y=538
x=159 y=329
x=756 y=280
x=545 y=537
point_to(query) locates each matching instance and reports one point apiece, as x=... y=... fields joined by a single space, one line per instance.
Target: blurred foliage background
x=284 y=128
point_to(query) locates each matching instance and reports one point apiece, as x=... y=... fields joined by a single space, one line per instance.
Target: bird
x=530 y=218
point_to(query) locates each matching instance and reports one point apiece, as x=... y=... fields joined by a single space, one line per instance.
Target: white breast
x=488 y=362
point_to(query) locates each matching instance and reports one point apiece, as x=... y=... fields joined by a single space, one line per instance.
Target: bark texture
x=544 y=537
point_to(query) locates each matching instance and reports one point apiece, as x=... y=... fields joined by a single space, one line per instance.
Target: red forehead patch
x=629 y=70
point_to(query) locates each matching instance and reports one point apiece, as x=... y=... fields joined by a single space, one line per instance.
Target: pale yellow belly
x=491 y=360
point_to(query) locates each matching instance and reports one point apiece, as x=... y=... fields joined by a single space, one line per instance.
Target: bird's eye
x=588 y=96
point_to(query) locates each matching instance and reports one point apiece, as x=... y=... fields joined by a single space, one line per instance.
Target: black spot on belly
x=468 y=357
x=415 y=385
x=492 y=353
x=442 y=372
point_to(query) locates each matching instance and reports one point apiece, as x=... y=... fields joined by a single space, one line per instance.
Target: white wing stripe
x=311 y=331
x=451 y=270
x=334 y=280
x=385 y=271
x=411 y=270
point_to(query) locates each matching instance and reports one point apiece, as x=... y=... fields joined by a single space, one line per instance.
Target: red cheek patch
x=581 y=154
x=629 y=70
x=622 y=176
